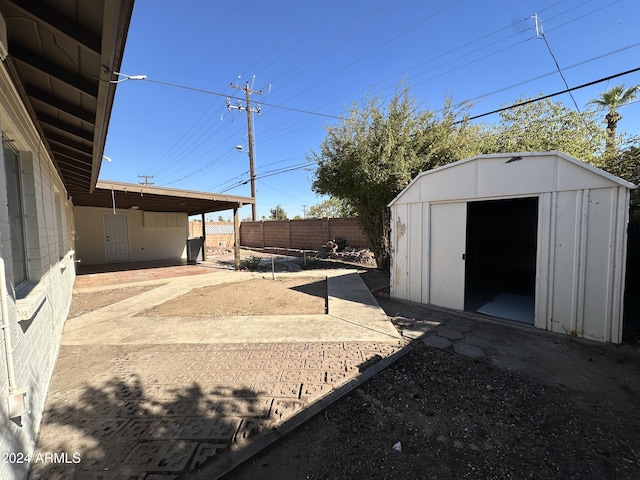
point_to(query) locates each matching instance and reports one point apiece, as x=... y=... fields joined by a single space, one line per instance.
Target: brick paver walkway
x=171 y=409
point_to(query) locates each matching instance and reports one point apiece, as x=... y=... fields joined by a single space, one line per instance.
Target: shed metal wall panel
x=448 y=184
x=544 y=260
x=599 y=263
x=581 y=240
x=415 y=252
x=566 y=246
x=401 y=251
x=573 y=177
x=501 y=176
x=426 y=253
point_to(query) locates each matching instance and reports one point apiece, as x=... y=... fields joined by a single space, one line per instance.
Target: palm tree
x=613 y=99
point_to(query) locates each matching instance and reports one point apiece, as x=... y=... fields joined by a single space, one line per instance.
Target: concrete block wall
x=277 y=233
x=350 y=230
x=38 y=308
x=252 y=234
x=310 y=234
x=306 y=234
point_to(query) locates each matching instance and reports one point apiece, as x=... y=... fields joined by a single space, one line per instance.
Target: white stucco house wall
x=104 y=236
x=37 y=254
x=535 y=238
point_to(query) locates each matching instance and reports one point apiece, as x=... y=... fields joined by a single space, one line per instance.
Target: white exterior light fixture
x=127 y=77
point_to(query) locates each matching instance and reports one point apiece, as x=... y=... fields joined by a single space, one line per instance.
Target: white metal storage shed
x=537 y=238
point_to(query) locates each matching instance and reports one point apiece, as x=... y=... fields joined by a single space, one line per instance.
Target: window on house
x=16 y=216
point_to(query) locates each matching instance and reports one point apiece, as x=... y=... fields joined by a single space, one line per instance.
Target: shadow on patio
x=177 y=409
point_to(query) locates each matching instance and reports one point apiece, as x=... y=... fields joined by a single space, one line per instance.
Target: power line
x=209 y=92
x=540 y=34
x=269 y=174
x=482 y=48
x=519 y=104
x=526 y=102
x=578 y=64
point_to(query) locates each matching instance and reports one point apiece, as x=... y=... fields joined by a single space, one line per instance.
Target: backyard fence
x=304 y=234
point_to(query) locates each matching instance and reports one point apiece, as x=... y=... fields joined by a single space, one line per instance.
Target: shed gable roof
x=506 y=174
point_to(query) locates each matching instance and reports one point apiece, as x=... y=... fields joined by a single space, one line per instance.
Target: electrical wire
x=318 y=113
x=526 y=102
x=209 y=92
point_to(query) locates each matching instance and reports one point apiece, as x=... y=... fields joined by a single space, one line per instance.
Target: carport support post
x=236 y=239
x=204 y=240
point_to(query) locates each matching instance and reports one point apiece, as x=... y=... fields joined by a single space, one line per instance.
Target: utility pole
x=146 y=179
x=247 y=107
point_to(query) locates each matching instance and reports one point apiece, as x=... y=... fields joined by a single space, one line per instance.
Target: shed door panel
x=448 y=238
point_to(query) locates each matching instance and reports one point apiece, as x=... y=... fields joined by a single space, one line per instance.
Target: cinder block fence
x=307 y=234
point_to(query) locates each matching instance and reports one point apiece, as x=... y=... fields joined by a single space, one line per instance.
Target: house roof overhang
x=62 y=55
x=158 y=199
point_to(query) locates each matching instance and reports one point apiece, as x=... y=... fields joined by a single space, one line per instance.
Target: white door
x=116 y=237
x=448 y=230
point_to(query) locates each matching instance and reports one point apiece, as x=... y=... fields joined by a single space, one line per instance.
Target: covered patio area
x=120 y=223
x=129 y=272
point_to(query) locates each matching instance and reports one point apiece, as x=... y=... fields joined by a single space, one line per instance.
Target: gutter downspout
x=8 y=347
x=16 y=397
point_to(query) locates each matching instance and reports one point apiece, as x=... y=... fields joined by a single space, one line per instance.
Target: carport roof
x=158 y=199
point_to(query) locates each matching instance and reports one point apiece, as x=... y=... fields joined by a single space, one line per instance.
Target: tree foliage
x=542 y=126
x=371 y=155
x=278 y=213
x=625 y=163
x=368 y=158
x=332 y=207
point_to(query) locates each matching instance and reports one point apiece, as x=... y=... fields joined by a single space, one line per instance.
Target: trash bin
x=195 y=250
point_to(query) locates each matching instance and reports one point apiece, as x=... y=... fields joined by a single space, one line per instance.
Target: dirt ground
x=260 y=296
x=435 y=414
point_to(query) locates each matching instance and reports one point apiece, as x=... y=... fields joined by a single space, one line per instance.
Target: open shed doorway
x=500 y=267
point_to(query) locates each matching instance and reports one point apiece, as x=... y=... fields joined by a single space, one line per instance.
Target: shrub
x=251 y=263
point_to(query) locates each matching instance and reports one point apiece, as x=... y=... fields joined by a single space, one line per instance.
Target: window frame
x=15 y=206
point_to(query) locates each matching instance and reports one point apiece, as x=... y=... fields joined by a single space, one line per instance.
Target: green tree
x=370 y=156
x=278 y=213
x=542 y=126
x=612 y=100
x=332 y=207
x=626 y=165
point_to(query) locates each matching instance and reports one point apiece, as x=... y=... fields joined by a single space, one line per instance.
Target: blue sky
x=313 y=59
